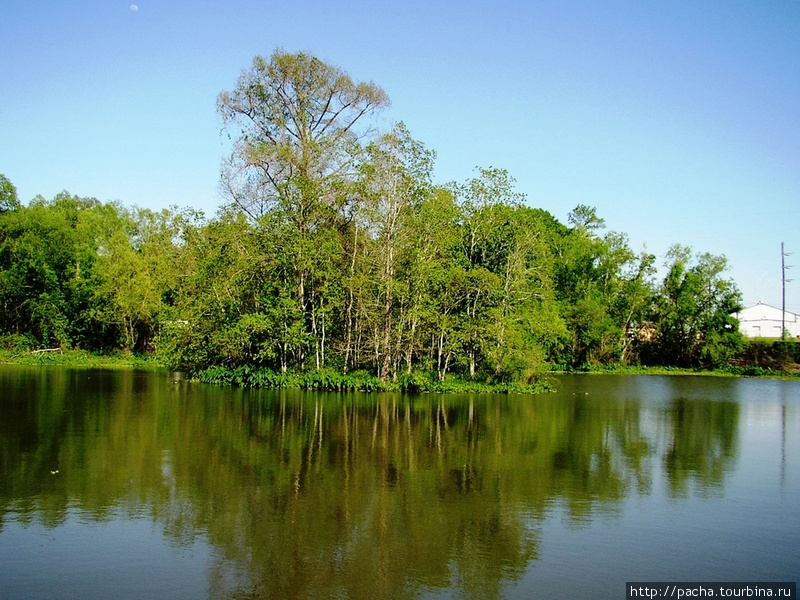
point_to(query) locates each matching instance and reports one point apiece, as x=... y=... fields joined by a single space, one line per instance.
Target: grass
x=725 y=371
x=80 y=358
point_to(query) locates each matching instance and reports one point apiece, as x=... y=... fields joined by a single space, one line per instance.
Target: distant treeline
x=335 y=251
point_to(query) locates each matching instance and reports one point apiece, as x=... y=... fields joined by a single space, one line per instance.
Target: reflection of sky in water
x=771 y=433
x=118 y=558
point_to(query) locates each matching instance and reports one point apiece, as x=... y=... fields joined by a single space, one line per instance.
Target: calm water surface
x=141 y=485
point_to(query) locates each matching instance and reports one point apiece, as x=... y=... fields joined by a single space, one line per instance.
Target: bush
x=330 y=380
x=773 y=355
x=18 y=342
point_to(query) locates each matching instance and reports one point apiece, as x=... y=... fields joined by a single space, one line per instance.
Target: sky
x=678 y=121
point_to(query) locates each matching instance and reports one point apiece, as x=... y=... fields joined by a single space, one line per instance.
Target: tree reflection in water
x=346 y=495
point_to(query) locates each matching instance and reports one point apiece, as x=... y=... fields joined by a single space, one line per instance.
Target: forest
x=335 y=251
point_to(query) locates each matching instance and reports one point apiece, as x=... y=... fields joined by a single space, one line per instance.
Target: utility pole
x=784 y=266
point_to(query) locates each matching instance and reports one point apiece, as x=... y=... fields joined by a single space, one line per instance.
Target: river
x=126 y=484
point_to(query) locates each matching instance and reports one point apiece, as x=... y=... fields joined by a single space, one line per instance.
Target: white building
x=763 y=320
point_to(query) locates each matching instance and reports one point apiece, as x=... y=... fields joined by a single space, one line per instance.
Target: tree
x=485 y=201
x=299 y=124
x=48 y=278
x=296 y=119
x=587 y=277
x=524 y=329
x=138 y=262
x=428 y=268
x=219 y=316
x=634 y=303
x=395 y=177
x=584 y=218
x=604 y=289
x=694 y=310
x=8 y=195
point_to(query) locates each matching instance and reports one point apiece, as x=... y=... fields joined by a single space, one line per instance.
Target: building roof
x=764 y=311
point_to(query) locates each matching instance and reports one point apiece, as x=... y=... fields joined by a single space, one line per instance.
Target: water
x=141 y=485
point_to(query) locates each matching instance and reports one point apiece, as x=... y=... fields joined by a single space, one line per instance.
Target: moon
x=134 y=7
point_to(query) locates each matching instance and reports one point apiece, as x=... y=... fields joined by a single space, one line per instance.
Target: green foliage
x=603 y=289
x=425 y=289
x=48 y=254
x=8 y=195
x=338 y=262
x=762 y=356
x=140 y=266
x=329 y=380
x=17 y=343
x=748 y=371
x=694 y=311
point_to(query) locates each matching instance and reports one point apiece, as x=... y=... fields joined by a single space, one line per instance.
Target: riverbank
x=761 y=363
x=726 y=371
x=80 y=358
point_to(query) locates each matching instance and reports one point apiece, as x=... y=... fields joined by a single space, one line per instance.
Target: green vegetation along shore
x=337 y=261
x=81 y=358
x=774 y=360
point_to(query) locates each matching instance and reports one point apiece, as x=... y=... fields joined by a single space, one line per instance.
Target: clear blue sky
x=679 y=121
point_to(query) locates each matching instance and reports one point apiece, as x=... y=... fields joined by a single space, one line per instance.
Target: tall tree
x=298 y=124
x=524 y=328
x=485 y=243
x=430 y=267
x=297 y=121
x=395 y=177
